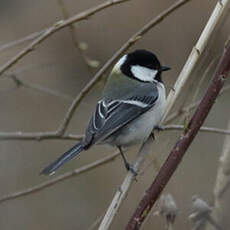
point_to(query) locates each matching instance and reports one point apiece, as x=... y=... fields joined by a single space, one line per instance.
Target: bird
x=131 y=106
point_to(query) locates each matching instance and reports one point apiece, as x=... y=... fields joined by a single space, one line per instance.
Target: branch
x=38 y=136
x=183 y=143
x=21 y=83
x=60 y=178
x=188 y=108
x=74 y=36
x=202 y=129
x=56 y=27
x=21 y=40
x=195 y=54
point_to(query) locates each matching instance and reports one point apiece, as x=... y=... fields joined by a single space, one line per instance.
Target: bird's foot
x=130 y=168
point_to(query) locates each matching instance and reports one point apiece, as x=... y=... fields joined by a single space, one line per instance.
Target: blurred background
x=56 y=64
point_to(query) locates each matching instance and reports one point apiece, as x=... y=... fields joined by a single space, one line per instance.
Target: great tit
x=131 y=106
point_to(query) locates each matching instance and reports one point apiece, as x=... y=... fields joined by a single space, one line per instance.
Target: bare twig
x=21 y=83
x=96 y=222
x=60 y=178
x=213 y=62
x=21 y=40
x=38 y=136
x=73 y=33
x=202 y=129
x=188 y=108
x=195 y=54
x=183 y=143
x=187 y=96
x=56 y=27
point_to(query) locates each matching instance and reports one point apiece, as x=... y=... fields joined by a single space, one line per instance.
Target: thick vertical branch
x=183 y=143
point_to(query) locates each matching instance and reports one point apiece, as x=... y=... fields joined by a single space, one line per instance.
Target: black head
x=143 y=66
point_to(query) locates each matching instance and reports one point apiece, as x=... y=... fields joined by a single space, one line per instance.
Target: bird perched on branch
x=131 y=106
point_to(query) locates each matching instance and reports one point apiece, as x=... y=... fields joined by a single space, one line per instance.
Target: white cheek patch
x=144 y=73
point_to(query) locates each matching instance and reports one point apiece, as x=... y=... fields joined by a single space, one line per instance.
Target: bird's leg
x=153 y=136
x=128 y=166
x=158 y=128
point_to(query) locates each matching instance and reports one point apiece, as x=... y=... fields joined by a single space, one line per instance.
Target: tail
x=50 y=169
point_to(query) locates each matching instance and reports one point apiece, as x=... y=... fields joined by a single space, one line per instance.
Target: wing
x=113 y=115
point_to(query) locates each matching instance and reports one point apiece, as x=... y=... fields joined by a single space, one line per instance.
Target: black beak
x=164 y=68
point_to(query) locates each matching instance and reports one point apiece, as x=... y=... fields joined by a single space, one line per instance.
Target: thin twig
x=203 y=77
x=85 y=90
x=192 y=99
x=39 y=136
x=202 y=129
x=56 y=27
x=179 y=150
x=74 y=37
x=21 y=83
x=60 y=178
x=195 y=54
x=21 y=40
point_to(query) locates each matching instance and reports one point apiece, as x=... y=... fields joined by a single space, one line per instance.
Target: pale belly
x=139 y=130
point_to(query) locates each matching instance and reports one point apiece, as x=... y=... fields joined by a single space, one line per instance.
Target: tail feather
x=50 y=169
